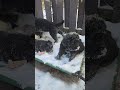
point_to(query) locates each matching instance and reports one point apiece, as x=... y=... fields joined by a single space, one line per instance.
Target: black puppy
x=16 y=46
x=41 y=45
x=46 y=26
x=71 y=45
x=101 y=49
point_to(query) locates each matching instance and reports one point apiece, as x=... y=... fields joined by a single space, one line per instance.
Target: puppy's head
x=71 y=42
x=93 y=23
x=49 y=46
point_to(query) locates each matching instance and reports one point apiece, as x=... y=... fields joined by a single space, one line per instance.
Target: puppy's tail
x=59 y=24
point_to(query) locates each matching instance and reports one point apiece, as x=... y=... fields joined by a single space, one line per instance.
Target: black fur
x=41 y=45
x=97 y=40
x=9 y=16
x=16 y=46
x=46 y=26
x=69 y=45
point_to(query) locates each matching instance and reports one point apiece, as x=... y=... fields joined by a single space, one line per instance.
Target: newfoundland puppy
x=71 y=45
x=47 y=26
x=101 y=49
x=16 y=46
x=41 y=45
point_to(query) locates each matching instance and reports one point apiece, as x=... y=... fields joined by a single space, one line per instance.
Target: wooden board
x=38 y=9
x=48 y=9
x=81 y=14
x=73 y=13
x=66 y=11
x=57 y=6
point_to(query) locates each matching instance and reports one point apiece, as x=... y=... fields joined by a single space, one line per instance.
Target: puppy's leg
x=61 y=32
x=72 y=56
x=54 y=35
x=61 y=52
x=81 y=46
x=39 y=34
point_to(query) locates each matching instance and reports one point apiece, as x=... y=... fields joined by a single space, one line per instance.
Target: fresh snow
x=45 y=81
x=72 y=66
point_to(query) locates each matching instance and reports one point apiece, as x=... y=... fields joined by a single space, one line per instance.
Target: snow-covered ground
x=45 y=81
x=64 y=63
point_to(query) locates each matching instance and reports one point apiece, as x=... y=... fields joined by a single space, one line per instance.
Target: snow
x=45 y=81
x=64 y=63
x=45 y=36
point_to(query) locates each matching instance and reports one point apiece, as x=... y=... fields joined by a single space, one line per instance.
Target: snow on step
x=45 y=81
x=72 y=66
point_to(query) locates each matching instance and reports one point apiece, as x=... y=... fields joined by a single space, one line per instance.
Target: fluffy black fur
x=41 y=45
x=16 y=47
x=98 y=41
x=9 y=16
x=47 y=26
x=69 y=46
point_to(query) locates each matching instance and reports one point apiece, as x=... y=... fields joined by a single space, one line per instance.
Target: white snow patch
x=45 y=81
x=64 y=63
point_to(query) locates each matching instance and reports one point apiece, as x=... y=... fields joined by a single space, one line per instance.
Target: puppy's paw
x=71 y=58
x=57 y=57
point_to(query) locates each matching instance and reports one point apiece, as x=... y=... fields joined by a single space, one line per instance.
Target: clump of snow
x=45 y=36
x=45 y=81
x=72 y=66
